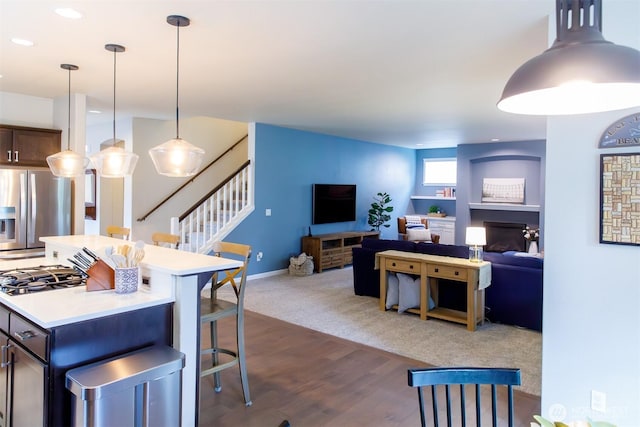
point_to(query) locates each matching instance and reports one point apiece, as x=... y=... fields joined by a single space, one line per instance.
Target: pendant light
x=67 y=163
x=177 y=157
x=580 y=73
x=114 y=161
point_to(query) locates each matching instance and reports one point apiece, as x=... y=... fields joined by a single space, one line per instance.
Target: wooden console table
x=334 y=250
x=430 y=268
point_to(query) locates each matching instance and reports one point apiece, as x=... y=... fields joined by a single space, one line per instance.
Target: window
x=439 y=171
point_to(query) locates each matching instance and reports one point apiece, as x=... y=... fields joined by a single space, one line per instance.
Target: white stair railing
x=217 y=215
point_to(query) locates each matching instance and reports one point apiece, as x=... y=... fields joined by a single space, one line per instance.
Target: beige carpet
x=325 y=302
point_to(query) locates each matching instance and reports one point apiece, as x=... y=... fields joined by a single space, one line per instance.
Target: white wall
x=212 y=135
x=24 y=110
x=111 y=192
x=76 y=124
x=591 y=330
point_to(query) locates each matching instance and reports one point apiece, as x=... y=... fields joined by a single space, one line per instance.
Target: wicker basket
x=302 y=265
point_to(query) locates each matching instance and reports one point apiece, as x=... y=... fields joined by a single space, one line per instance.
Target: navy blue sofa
x=514 y=297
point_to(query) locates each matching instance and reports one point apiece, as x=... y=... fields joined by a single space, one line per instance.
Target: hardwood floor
x=314 y=379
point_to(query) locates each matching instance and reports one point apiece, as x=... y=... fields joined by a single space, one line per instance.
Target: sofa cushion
x=442 y=250
x=385 y=245
x=510 y=259
x=419 y=234
x=392 y=290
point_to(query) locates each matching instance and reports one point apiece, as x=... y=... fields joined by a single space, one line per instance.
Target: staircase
x=215 y=215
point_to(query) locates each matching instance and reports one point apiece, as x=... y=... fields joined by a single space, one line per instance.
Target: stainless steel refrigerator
x=33 y=203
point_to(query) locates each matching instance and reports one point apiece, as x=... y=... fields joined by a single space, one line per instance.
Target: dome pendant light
x=114 y=161
x=67 y=163
x=177 y=157
x=580 y=73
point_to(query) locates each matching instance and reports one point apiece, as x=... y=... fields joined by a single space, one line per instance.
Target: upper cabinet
x=24 y=146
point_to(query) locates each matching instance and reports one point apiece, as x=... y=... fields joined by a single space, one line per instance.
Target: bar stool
x=212 y=309
x=164 y=239
x=114 y=230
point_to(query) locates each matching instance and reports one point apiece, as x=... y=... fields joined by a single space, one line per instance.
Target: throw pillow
x=409 y=292
x=413 y=221
x=392 y=290
x=417 y=234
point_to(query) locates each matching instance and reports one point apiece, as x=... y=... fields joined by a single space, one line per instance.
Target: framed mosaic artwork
x=620 y=198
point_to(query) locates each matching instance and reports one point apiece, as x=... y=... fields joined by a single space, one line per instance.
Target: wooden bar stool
x=212 y=309
x=166 y=239
x=114 y=231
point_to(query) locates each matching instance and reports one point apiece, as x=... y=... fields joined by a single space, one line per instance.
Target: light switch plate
x=598 y=401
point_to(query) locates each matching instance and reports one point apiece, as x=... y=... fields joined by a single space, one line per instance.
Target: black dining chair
x=454 y=383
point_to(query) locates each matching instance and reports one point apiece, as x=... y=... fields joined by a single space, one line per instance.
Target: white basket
x=302 y=265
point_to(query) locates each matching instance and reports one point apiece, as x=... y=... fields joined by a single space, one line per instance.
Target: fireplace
x=505 y=236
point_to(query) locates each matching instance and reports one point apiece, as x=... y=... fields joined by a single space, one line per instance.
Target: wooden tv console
x=334 y=250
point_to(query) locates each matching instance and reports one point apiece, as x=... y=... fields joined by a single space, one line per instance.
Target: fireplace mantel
x=504 y=207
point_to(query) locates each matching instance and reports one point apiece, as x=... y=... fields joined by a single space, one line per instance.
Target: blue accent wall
x=288 y=162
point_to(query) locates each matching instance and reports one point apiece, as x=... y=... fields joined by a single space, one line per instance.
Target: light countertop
x=158 y=258
x=62 y=306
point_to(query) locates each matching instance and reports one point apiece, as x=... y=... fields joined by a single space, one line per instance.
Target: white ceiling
x=395 y=72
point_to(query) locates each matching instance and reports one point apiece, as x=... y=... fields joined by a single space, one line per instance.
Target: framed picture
x=620 y=198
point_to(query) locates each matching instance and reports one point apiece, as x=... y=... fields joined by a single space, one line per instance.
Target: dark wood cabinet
x=25 y=146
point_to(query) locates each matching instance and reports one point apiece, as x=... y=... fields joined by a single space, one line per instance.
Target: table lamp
x=476 y=238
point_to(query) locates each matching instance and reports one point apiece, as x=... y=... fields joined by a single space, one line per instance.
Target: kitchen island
x=170 y=276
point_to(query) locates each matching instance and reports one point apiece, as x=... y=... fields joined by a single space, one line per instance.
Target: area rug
x=326 y=302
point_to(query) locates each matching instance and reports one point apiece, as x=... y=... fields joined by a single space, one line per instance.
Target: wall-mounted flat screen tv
x=334 y=203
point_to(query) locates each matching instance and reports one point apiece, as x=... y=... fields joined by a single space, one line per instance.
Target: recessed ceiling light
x=95 y=111
x=67 y=12
x=22 y=42
x=495 y=139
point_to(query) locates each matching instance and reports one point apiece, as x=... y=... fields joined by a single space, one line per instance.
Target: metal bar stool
x=212 y=309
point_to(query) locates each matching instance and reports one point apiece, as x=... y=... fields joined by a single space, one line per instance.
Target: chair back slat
x=463 y=405
x=421 y=401
x=478 y=404
x=236 y=277
x=494 y=402
x=434 y=394
x=447 y=391
x=437 y=378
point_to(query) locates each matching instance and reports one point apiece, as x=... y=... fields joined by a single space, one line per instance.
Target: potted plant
x=379 y=211
x=434 y=210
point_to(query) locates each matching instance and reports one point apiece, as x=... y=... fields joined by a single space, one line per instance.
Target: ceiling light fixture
x=22 y=42
x=114 y=161
x=67 y=12
x=177 y=157
x=67 y=163
x=580 y=73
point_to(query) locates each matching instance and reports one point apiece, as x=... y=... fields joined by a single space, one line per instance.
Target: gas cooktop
x=40 y=278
